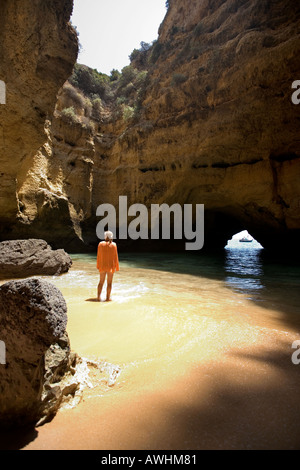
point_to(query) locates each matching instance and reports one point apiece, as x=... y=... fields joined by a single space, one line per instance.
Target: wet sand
x=244 y=400
x=202 y=367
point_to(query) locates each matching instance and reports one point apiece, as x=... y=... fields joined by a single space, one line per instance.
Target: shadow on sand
x=247 y=400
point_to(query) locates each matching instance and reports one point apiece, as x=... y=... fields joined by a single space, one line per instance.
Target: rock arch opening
x=243 y=264
x=242 y=240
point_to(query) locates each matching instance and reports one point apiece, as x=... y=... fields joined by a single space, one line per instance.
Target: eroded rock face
x=227 y=130
x=55 y=187
x=38 y=48
x=33 y=317
x=217 y=127
x=23 y=258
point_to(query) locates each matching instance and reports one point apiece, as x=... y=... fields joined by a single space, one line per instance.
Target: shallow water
x=203 y=344
x=172 y=311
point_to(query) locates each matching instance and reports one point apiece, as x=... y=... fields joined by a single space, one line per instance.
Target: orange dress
x=107 y=257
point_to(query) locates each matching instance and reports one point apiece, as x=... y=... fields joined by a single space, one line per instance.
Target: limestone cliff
x=233 y=132
x=38 y=48
x=216 y=126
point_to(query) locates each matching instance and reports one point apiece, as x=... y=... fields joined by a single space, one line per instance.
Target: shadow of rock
x=16 y=440
x=249 y=401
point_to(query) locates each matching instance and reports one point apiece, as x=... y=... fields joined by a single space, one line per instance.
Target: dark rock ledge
x=40 y=373
x=40 y=367
x=24 y=258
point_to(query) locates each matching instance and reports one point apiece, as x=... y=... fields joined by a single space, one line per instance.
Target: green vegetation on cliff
x=119 y=94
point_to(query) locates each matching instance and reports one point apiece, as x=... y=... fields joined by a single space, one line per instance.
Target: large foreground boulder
x=33 y=320
x=23 y=258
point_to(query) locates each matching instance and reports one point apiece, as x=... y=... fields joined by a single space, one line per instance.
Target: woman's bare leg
x=100 y=285
x=109 y=285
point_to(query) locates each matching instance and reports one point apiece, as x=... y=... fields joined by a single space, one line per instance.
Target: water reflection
x=244 y=268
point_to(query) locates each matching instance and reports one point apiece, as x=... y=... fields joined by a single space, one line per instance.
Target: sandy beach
x=202 y=366
x=162 y=138
x=244 y=400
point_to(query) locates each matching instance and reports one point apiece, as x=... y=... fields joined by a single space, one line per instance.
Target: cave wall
x=217 y=127
x=38 y=48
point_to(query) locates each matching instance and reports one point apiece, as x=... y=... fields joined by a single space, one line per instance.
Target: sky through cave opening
x=242 y=240
x=110 y=31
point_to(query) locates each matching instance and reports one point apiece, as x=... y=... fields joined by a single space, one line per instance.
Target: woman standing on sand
x=107 y=263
